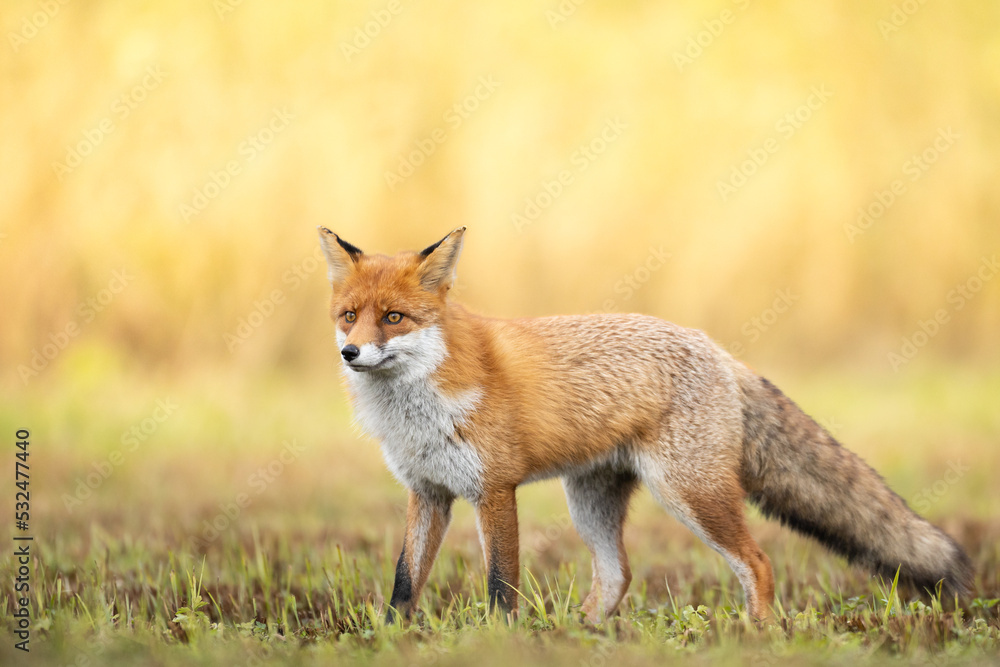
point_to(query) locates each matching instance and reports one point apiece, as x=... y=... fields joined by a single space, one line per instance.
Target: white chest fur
x=415 y=424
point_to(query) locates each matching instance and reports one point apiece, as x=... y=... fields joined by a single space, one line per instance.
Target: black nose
x=350 y=352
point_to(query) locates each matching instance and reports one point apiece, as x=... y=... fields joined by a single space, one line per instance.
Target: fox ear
x=341 y=256
x=437 y=268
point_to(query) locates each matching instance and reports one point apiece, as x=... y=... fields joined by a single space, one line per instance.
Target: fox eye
x=394 y=317
x=350 y=316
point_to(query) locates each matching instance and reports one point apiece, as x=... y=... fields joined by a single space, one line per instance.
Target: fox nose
x=350 y=352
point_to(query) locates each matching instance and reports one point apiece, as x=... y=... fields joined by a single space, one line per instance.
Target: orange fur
x=473 y=406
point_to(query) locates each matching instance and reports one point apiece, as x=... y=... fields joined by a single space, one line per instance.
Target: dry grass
x=300 y=573
x=655 y=185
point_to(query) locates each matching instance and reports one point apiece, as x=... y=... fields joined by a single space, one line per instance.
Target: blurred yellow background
x=813 y=185
x=647 y=107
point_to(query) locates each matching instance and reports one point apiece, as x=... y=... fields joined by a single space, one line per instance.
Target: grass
x=284 y=598
x=135 y=573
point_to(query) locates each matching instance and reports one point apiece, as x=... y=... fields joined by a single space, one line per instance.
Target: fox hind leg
x=598 y=502
x=716 y=515
x=728 y=534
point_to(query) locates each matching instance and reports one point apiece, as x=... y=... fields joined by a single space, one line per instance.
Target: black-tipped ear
x=438 y=268
x=341 y=256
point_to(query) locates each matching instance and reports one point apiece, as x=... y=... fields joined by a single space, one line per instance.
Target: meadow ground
x=246 y=522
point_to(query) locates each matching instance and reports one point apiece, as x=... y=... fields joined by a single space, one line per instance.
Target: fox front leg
x=496 y=517
x=427 y=516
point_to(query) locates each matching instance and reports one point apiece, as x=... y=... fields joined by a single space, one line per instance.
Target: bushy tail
x=797 y=472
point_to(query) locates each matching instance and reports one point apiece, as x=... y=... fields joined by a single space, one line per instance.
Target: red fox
x=473 y=407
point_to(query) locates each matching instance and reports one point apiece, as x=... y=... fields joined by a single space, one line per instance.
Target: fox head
x=388 y=310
